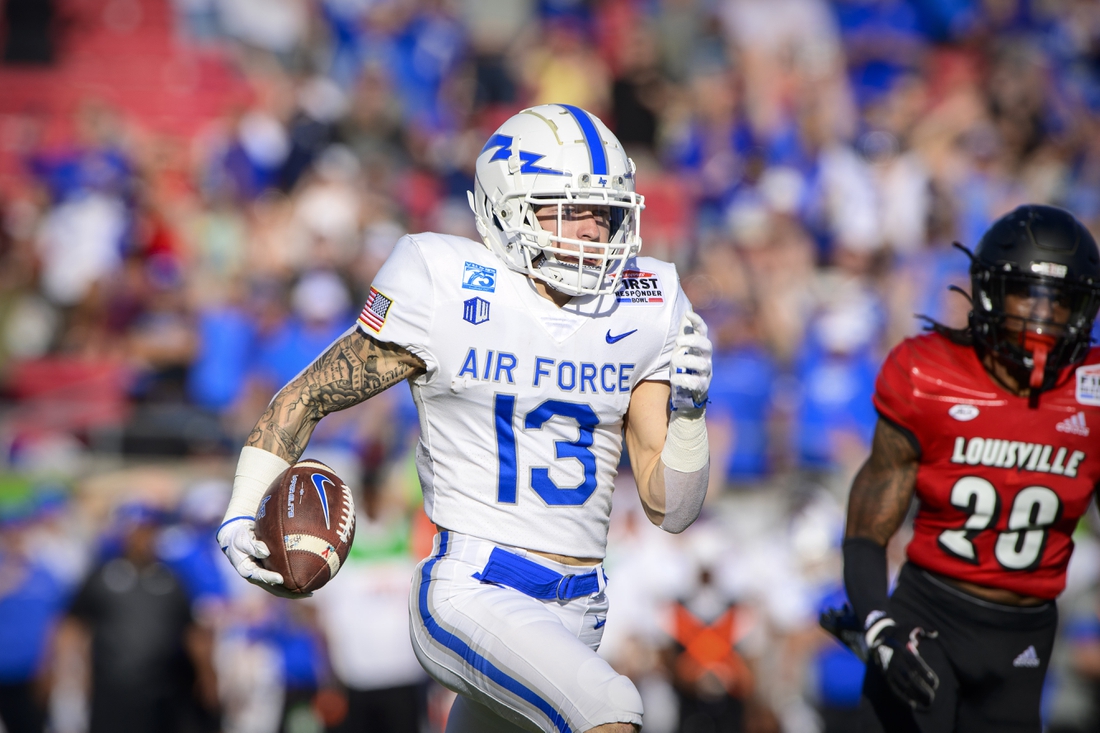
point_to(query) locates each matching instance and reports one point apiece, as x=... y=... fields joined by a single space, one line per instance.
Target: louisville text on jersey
x=1017 y=455
x=569 y=376
x=638 y=286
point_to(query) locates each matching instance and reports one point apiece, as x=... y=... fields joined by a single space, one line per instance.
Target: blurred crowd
x=807 y=164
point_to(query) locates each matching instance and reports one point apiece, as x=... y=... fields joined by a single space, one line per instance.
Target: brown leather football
x=307 y=520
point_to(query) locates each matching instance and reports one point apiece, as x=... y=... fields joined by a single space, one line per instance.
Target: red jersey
x=1000 y=485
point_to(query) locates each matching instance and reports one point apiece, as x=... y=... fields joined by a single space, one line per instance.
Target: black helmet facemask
x=1035 y=279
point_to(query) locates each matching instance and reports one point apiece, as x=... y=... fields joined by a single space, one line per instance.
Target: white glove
x=690 y=365
x=237 y=538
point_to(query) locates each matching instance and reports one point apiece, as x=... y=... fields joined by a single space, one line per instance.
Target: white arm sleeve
x=686 y=459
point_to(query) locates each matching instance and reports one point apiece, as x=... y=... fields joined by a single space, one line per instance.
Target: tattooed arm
x=883 y=488
x=877 y=505
x=353 y=369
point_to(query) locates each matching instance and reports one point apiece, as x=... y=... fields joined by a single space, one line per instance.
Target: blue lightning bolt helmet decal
x=503 y=143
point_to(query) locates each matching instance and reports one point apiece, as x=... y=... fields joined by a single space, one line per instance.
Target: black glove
x=896 y=651
x=846 y=627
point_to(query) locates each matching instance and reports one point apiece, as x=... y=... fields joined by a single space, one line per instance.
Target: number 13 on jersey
x=504 y=408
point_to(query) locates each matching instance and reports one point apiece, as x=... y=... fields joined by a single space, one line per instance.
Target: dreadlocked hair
x=961 y=336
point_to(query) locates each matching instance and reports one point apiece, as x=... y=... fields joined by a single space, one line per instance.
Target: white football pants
x=532 y=662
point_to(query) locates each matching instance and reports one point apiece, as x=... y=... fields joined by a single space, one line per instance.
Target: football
x=307 y=520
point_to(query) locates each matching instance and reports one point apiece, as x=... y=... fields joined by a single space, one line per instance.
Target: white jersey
x=522 y=404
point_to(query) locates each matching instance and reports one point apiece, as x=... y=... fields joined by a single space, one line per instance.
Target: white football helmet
x=557 y=155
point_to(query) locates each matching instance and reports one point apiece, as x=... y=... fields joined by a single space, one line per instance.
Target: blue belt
x=528 y=577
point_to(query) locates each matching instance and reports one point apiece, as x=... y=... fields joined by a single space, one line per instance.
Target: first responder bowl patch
x=638 y=286
x=1088 y=385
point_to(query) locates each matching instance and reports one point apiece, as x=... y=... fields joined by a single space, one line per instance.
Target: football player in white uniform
x=531 y=356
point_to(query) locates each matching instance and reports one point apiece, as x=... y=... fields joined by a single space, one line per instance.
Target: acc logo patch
x=1088 y=385
x=475 y=310
x=963 y=413
x=479 y=277
x=638 y=286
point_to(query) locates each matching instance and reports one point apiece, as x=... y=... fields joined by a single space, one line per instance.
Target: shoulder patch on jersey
x=639 y=286
x=475 y=310
x=375 y=311
x=1088 y=385
x=479 y=277
x=963 y=413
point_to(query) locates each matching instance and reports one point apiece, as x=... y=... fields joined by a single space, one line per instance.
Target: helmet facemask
x=578 y=266
x=1035 y=325
x=572 y=266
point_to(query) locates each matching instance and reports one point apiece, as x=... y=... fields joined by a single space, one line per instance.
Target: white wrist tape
x=686 y=448
x=256 y=469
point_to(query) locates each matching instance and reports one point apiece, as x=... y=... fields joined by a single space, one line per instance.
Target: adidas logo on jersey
x=1074 y=424
x=1027 y=658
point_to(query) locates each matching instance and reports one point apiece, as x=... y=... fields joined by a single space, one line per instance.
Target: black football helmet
x=1047 y=260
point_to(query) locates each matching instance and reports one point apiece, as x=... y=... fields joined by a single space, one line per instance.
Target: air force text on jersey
x=487 y=365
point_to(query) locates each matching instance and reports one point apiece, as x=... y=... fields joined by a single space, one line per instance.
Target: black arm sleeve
x=865 y=576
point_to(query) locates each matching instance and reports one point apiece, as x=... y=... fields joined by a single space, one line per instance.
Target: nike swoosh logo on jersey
x=601 y=621
x=615 y=339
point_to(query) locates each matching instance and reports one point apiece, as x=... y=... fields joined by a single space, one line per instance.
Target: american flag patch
x=374 y=312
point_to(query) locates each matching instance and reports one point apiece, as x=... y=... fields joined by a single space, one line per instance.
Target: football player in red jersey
x=989 y=426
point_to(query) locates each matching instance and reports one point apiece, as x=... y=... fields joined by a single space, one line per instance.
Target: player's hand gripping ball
x=307 y=521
